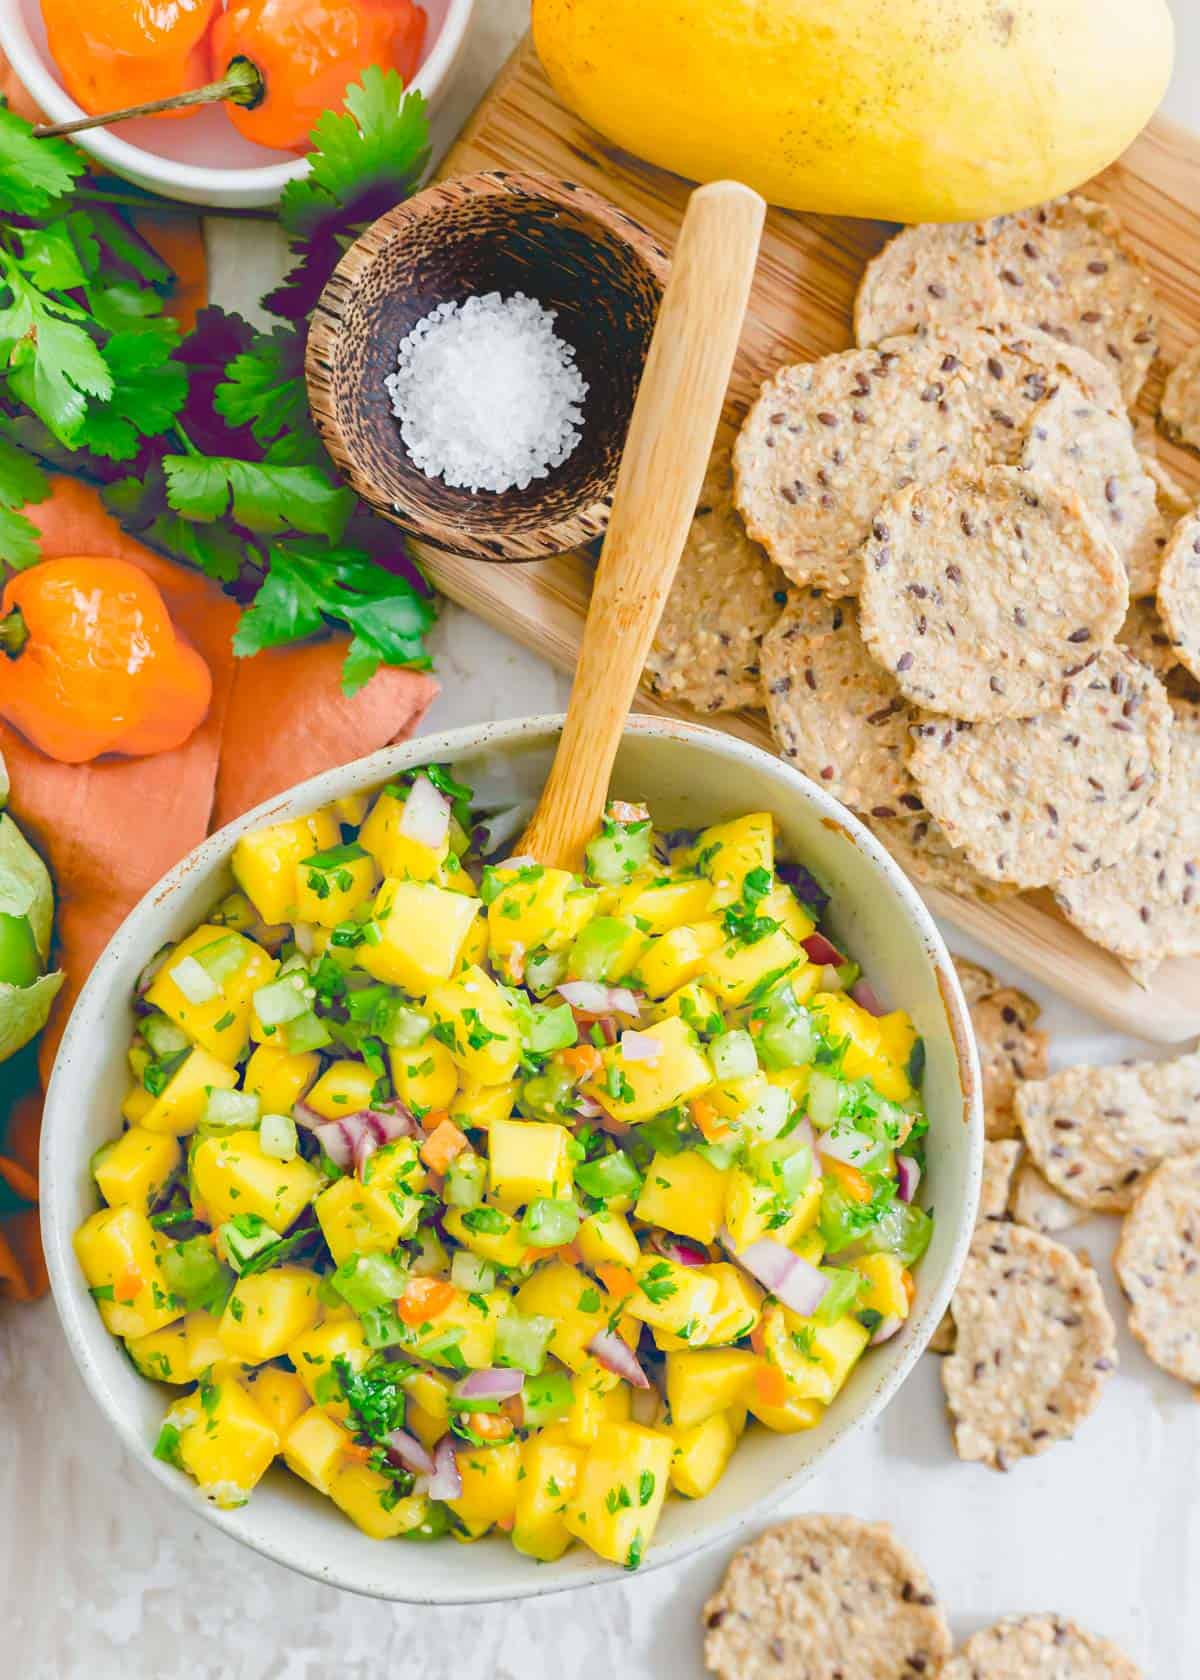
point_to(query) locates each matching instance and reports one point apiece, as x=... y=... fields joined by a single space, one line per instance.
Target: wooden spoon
x=666 y=456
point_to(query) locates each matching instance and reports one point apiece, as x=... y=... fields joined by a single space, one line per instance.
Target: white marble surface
x=103 y=1575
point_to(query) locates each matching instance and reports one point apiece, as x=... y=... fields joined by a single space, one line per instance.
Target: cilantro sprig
x=203 y=444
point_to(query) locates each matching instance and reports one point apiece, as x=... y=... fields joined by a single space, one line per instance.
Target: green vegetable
x=26 y=912
x=374 y=1395
x=231 y=1110
x=277 y=1137
x=192 y=1272
x=549 y=1222
x=787 y=1038
x=733 y=1055
x=549 y=1095
x=612 y=1175
x=903 y=1229
x=842 y=1294
x=544 y=970
x=547 y=1397
x=597 y=947
x=471 y=1274
x=306 y=1032
x=281 y=1001
x=522 y=1342
x=366 y=1281
x=20 y=961
x=466 y=1178
x=244 y=1237
x=552 y=1029
x=618 y=851
x=163 y=1036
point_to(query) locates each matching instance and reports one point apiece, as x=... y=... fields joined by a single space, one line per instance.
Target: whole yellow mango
x=909 y=110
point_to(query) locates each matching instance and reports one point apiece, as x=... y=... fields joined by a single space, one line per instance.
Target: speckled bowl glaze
x=566 y=247
x=692 y=776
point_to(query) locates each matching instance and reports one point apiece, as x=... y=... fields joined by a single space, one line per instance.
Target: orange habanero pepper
x=307 y=52
x=106 y=47
x=92 y=663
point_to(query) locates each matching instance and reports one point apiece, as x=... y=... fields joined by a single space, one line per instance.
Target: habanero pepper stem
x=242 y=84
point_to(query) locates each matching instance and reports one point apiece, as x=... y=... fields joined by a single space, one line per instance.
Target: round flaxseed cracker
x=824 y=1597
x=1034 y=1344
x=1063 y=267
x=1000 y=1157
x=1076 y=443
x=922 y=850
x=725 y=598
x=835 y=713
x=1095 y=1132
x=1144 y=636
x=1042 y=799
x=1146 y=907
x=826 y=442
x=1158 y=1265
x=1066 y=268
x=1179 y=593
x=1011 y=1045
x=1039 y=1647
x=939 y=274
x=1179 y=410
x=982 y=596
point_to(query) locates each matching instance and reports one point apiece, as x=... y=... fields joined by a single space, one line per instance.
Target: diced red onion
x=306 y=1116
x=305 y=935
x=587 y=1109
x=846 y=1145
x=622 y=811
x=802 y=1132
x=865 y=995
x=426 y=814
x=609 y=1031
x=363 y=1147
x=146 y=977
x=616 y=1355
x=886 y=1330
x=336 y=1143
x=410 y=1452
x=640 y=1046
x=908 y=1176
x=446 y=1480
x=679 y=1249
x=785 y=1275
x=823 y=951
x=521 y=861
x=491 y=1384
x=600 y=1000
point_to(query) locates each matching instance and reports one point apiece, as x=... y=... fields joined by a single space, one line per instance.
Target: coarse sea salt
x=487 y=394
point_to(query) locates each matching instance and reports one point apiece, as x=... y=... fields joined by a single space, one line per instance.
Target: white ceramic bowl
x=691 y=776
x=203 y=160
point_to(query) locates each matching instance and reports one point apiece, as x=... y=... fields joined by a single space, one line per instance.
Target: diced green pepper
x=522 y=1342
x=547 y=1397
x=597 y=948
x=366 y=1281
x=549 y=1222
x=611 y=1175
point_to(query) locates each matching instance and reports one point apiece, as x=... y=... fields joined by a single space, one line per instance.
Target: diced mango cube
x=134 y=1171
x=221 y=1025
x=280 y=1396
x=120 y=1254
x=184 y=1098
x=551 y=1470
x=787 y=1416
x=704 y=1381
x=702 y=1454
x=593 y=1409
x=425 y=1076
x=370 y=1500
x=501 y=1242
x=398 y=855
x=753 y=1210
x=579 y=1308
x=606 y=1238
x=657 y=906
x=530 y=910
x=264 y=863
x=735 y=969
x=231 y=1174
x=230 y=1446
x=137 y=1104
x=738 y=1308
x=314 y=1355
x=479 y=1026
x=694 y=1004
x=672 y=1297
x=422 y=929
x=885 y=1292
x=267 y=1311
x=314 y=1448
x=163 y=1354
x=728 y=852
x=357 y=1218
x=204 y=1344
x=528 y=1159
x=343 y=1088
x=278 y=1079
x=331 y=885
x=620 y=1492
x=683 y=1193
x=633 y=1090
x=482 y=1105
x=675 y=958
x=490 y=1479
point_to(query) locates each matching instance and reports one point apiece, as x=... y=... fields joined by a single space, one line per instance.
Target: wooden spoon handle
x=666 y=456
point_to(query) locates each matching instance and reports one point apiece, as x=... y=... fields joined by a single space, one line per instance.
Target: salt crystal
x=487 y=394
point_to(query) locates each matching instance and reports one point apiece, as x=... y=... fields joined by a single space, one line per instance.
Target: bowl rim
x=326 y=339
x=83 y=1332
x=125 y=159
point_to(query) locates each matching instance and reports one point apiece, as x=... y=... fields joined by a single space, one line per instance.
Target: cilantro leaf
x=382 y=137
x=54 y=363
x=21 y=481
x=150 y=389
x=20 y=541
x=307 y=586
x=261 y=496
x=33 y=173
x=264 y=387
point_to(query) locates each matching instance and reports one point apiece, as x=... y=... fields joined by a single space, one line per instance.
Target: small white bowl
x=203 y=160
x=691 y=776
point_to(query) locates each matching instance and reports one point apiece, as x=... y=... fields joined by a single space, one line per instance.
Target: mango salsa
x=493 y=1198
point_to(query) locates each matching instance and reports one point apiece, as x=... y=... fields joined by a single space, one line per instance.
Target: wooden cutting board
x=801 y=309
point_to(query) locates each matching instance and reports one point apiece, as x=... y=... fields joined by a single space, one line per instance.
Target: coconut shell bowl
x=560 y=244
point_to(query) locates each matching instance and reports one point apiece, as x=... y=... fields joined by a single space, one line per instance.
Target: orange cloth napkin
x=110 y=829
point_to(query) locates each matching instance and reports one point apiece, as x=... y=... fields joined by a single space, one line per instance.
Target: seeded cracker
x=999 y=1164
x=825 y=1598
x=1158 y=1265
x=940 y=275
x=1081 y=445
x=1011 y=1045
x=1041 y=799
x=835 y=713
x=1035 y=1204
x=827 y=441
x=1144 y=635
x=1146 y=907
x=1179 y=593
x=983 y=596
x=1034 y=1344
x=1039 y=1648
x=1062 y=267
x=1179 y=410
x=1095 y=1132
x=922 y=850
x=725 y=598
